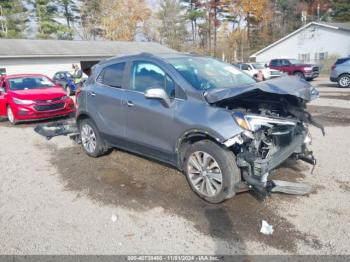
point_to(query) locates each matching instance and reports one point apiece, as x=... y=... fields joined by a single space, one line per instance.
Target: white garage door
x=45 y=66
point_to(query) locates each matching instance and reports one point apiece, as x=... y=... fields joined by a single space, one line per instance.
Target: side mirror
x=2 y=90
x=159 y=94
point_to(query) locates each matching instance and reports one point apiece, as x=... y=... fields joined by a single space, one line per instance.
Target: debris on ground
x=266 y=228
x=114 y=218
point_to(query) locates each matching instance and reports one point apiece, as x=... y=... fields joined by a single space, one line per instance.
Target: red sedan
x=32 y=97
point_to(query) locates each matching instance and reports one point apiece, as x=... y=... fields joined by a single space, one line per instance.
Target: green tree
x=45 y=16
x=13 y=18
x=194 y=13
x=70 y=11
x=172 y=29
x=89 y=19
x=341 y=10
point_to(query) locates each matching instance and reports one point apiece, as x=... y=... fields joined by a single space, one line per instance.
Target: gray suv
x=341 y=72
x=219 y=126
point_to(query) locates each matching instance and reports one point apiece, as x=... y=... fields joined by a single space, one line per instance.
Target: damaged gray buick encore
x=219 y=126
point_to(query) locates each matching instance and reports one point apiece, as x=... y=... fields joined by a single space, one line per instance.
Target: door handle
x=130 y=103
x=92 y=93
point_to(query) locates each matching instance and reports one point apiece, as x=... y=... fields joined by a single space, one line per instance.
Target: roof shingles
x=61 y=48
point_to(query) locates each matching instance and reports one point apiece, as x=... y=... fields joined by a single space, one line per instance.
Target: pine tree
x=341 y=10
x=45 y=16
x=13 y=19
x=172 y=29
x=70 y=11
x=89 y=19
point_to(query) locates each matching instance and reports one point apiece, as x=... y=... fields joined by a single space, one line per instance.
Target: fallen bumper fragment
x=58 y=128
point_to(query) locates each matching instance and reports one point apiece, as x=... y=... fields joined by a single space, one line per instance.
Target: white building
x=311 y=43
x=49 y=56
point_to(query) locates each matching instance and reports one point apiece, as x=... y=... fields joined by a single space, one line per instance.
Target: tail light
x=333 y=67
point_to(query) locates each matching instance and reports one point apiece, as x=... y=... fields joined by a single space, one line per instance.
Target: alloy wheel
x=344 y=81
x=204 y=173
x=88 y=138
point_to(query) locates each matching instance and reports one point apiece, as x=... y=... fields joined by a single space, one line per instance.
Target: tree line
x=231 y=29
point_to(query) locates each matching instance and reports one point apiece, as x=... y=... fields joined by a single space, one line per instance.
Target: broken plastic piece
x=266 y=228
x=290 y=187
x=57 y=128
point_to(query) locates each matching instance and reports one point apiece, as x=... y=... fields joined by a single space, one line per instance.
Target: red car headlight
x=22 y=102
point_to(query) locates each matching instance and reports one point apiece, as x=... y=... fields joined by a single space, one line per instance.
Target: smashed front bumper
x=255 y=170
x=261 y=166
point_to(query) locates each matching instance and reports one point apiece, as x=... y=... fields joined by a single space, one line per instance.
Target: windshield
x=68 y=75
x=205 y=73
x=294 y=61
x=258 y=66
x=29 y=82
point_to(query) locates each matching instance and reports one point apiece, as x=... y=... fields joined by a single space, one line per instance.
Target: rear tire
x=10 y=116
x=211 y=171
x=91 y=139
x=344 y=80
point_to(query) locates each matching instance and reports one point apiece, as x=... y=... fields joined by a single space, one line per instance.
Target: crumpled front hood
x=285 y=85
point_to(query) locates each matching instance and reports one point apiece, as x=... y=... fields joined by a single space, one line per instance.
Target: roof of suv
x=162 y=56
x=342 y=60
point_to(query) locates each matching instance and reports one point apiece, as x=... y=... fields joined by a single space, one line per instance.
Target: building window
x=323 y=56
x=2 y=71
x=305 y=58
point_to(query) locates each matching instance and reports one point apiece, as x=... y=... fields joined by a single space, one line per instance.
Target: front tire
x=211 y=171
x=300 y=75
x=91 y=139
x=344 y=80
x=10 y=116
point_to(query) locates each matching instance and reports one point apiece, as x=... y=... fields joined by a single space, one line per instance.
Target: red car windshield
x=29 y=82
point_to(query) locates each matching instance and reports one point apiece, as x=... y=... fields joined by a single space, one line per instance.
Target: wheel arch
x=82 y=116
x=190 y=137
x=343 y=74
x=298 y=71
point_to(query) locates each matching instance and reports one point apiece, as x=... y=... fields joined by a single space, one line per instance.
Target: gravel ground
x=56 y=200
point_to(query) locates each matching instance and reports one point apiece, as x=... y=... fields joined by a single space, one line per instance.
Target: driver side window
x=146 y=75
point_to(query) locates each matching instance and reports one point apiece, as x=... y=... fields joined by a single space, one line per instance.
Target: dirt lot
x=56 y=200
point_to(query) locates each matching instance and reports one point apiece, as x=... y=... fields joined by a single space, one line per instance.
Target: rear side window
x=245 y=67
x=275 y=63
x=112 y=75
x=285 y=62
x=342 y=60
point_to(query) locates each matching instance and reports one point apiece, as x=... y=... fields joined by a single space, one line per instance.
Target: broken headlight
x=255 y=122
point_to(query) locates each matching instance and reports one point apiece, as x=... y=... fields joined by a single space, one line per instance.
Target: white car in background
x=254 y=68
